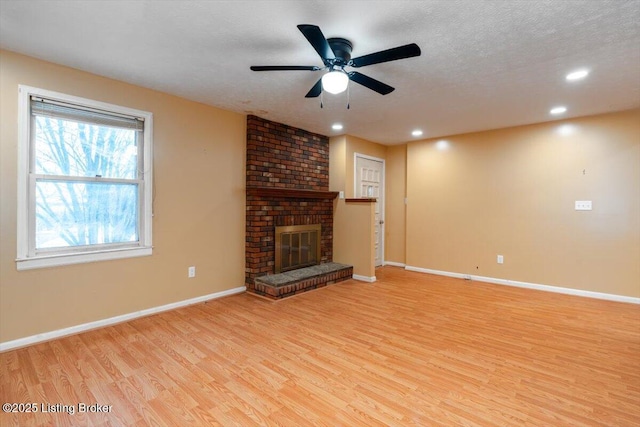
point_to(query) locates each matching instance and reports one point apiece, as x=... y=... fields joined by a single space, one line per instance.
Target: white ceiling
x=484 y=64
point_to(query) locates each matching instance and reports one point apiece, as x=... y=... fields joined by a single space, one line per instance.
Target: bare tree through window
x=82 y=196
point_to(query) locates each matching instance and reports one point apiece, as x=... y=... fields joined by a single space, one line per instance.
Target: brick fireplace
x=287 y=185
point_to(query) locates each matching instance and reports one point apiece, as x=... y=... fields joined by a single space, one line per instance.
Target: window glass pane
x=64 y=147
x=71 y=213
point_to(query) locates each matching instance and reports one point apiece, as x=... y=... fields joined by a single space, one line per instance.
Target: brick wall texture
x=281 y=156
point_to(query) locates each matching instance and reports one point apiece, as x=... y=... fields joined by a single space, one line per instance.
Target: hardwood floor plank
x=259 y=404
x=57 y=409
x=285 y=417
x=409 y=349
x=171 y=411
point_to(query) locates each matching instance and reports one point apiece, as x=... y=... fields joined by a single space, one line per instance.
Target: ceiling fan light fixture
x=335 y=81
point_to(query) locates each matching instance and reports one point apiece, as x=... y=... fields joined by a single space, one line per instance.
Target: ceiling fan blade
x=284 y=68
x=318 y=41
x=400 y=52
x=315 y=90
x=370 y=83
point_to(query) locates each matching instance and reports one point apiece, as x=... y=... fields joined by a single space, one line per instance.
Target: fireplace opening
x=297 y=246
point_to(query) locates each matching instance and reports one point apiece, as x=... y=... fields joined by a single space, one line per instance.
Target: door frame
x=384 y=183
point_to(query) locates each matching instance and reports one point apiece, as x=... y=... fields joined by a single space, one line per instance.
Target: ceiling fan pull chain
x=321 y=98
x=348 y=97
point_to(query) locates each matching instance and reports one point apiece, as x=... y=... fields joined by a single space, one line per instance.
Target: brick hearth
x=277 y=286
x=287 y=158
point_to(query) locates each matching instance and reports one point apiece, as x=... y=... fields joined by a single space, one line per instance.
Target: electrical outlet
x=500 y=259
x=341 y=194
x=583 y=205
x=192 y=271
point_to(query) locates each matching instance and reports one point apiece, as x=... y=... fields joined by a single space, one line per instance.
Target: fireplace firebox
x=297 y=246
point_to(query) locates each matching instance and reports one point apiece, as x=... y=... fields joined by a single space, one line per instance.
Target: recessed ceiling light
x=336 y=126
x=577 y=75
x=558 y=110
x=416 y=132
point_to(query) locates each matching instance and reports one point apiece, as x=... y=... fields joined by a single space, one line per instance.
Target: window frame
x=27 y=258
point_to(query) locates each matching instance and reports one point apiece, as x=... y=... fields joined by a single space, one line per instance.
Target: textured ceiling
x=484 y=64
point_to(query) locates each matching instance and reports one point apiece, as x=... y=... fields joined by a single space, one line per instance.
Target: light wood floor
x=410 y=349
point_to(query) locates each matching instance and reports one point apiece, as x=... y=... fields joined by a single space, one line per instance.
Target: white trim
x=437 y=272
x=538 y=287
x=84 y=102
x=27 y=257
x=364 y=278
x=382 y=205
x=24 y=123
x=68 y=259
x=48 y=336
x=394 y=264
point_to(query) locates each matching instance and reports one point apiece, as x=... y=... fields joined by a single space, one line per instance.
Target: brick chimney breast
x=281 y=156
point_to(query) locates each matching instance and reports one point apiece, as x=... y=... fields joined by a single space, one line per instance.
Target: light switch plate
x=583 y=205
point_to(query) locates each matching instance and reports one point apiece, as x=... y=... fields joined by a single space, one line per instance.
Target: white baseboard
x=48 y=336
x=395 y=264
x=364 y=278
x=546 y=288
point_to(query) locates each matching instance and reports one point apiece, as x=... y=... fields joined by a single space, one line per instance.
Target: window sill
x=68 y=259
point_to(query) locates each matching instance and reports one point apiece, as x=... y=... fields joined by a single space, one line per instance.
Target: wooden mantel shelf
x=291 y=193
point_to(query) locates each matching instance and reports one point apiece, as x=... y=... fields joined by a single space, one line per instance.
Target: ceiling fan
x=336 y=55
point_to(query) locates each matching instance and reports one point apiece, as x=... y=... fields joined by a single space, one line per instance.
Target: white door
x=369 y=182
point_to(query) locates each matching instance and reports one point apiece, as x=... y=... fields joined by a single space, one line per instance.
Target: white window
x=84 y=180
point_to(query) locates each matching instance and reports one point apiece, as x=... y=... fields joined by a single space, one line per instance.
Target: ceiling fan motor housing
x=341 y=49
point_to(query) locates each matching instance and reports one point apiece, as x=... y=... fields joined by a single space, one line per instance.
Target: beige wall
x=341 y=178
x=198 y=210
x=342 y=150
x=395 y=178
x=395 y=209
x=353 y=236
x=361 y=146
x=512 y=192
x=337 y=162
